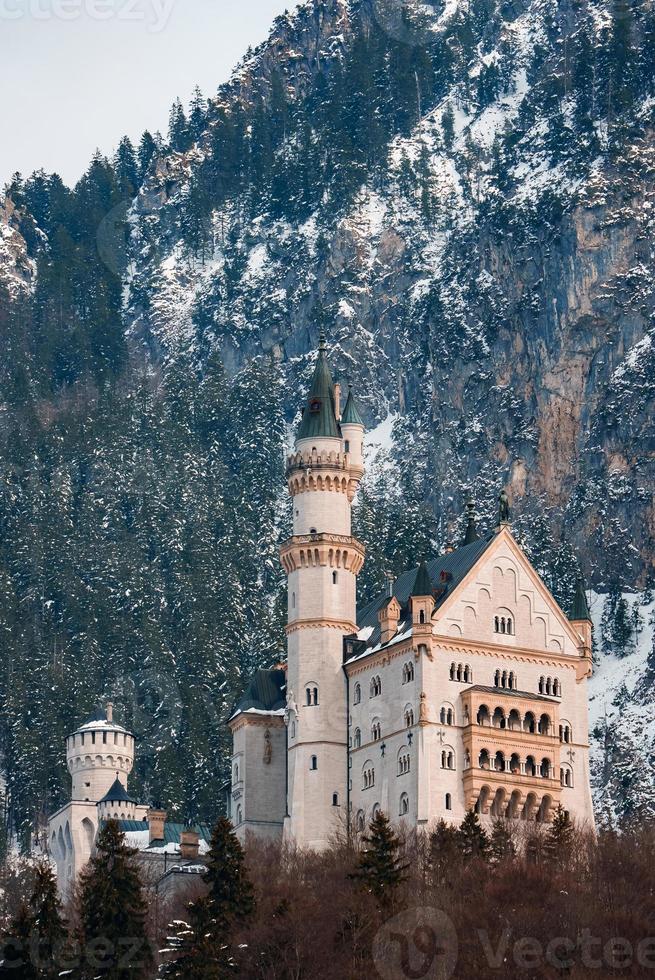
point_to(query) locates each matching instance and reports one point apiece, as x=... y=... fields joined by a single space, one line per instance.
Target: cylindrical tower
x=97 y=753
x=322 y=561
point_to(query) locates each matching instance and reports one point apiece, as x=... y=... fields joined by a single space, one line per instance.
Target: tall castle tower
x=322 y=560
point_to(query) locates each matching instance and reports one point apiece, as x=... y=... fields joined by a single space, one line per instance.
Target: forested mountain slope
x=462 y=195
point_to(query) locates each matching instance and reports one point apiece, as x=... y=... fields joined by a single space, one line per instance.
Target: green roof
x=580 y=607
x=319 y=416
x=422 y=584
x=351 y=414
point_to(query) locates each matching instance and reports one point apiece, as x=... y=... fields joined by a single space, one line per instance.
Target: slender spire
x=319 y=416
x=422 y=583
x=503 y=508
x=471 y=533
x=580 y=607
x=351 y=414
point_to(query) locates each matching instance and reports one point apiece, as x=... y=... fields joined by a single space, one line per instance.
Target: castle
x=100 y=756
x=463 y=686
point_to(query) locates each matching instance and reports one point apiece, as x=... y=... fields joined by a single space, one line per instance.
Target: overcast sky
x=78 y=74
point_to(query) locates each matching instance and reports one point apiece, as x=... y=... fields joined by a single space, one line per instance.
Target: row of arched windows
x=447 y=759
x=459 y=673
x=550 y=685
x=403 y=763
x=376 y=731
x=565 y=732
x=409 y=717
x=408 y=672
x=505 y=679
x=376 y=687
x=504 y=624
x=500 y=763
x=513 y=720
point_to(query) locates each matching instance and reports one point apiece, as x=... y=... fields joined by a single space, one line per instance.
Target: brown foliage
x=313 y=922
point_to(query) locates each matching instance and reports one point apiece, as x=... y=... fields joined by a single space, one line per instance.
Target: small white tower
x=97 y=753
x=322 y=561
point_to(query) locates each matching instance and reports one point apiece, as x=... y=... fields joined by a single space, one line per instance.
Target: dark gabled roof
x=117 y=794
x=319 y=417
x=351 y=414
x=422 y=584
x=266 y=691
x=580 y=607
x=454 y=567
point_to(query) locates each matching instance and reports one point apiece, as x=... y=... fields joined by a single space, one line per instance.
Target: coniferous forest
x=437 y=188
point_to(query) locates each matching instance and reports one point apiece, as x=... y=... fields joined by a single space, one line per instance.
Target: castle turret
x=580 y=618
x=322 y=561
x=97 y=753
x=116 y=804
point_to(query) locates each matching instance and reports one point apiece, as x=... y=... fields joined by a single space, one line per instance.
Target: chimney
x=189 y=844
x=109 y=711
x=156 y=818
x=337 y=401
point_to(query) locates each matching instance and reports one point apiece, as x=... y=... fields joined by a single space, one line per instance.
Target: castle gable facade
x=464 y=685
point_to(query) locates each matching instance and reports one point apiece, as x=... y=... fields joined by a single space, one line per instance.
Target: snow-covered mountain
x=462 y=194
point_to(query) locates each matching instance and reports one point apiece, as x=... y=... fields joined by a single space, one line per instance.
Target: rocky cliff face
x=462 y=195
x=489 y=278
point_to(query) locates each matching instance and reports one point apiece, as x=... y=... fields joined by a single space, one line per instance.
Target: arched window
x=459 y=672
x=357 y=694
x=447 y=759
x=510 y=625
x=357 y=740
x=409 y=717
x=335 y=799
x=311 y=696
x=408 y=672
x=368 y=775
x=239 y=814
x=452 y=672
x=544 y=725
x=376 y=687
x=467 y=674
x=545 y=768
x=449 y=802
x=376 y=730
x=512 y=681
x=360 y=821
x=236 y=772
x=442 y=716
x=293 y=729
x=496 y=624
x=404 y=805
x=421 y=616
x=541 y=685
x=313 y=762
x=483 y=715
x=497 y=679
x=334 y=578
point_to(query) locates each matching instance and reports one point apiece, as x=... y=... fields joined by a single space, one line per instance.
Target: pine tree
x=444 y=852
x=558 y=845
x=472 y=837
x=197 y=114
x=501 y=845
x=125 y=168
x=380 y=869
x=16 y=957
x=38 y=932
x=204 y=942
x=178 y=130
x=111 y=907
x=145 y=153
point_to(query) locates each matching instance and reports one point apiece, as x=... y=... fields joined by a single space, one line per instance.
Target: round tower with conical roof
x=322 y=560
x=97 y=753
